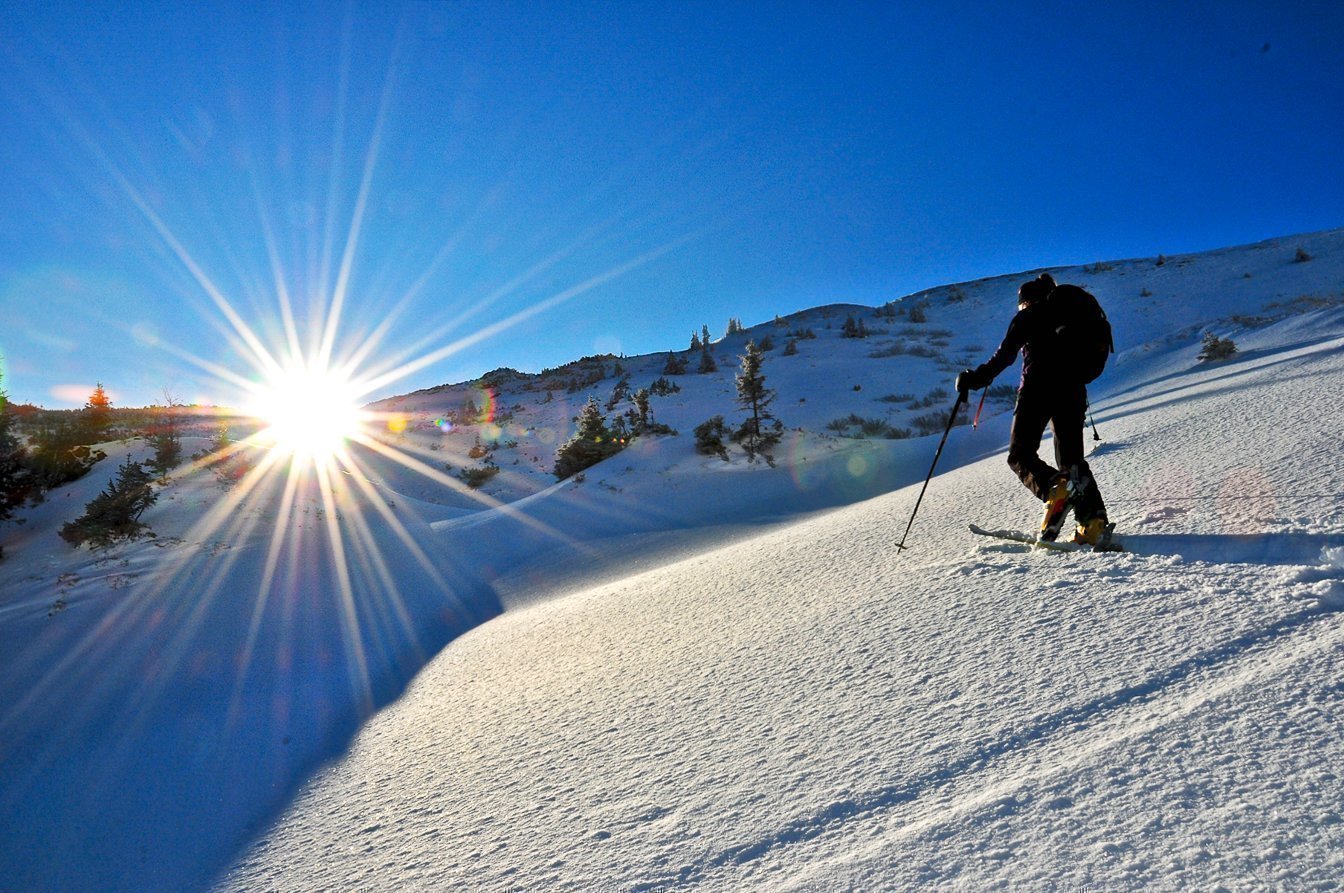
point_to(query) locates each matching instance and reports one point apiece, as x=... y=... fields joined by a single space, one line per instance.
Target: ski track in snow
x=1072 y=738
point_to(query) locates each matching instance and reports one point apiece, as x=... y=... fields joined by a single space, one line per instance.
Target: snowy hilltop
x=449 y=668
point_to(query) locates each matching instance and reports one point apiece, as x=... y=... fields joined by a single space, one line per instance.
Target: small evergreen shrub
x=662 y=388
x=592 y=443
x=1215 y=348
x=114 y=514
x=853 y=328
x=709 y=437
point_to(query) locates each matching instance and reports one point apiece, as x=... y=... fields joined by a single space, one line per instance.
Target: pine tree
x=854 y=328
x=709 y=436
x=620 y=393
x=222 y=440
x=98 y=414
x=228 y=462
x=1216 y=348
x=115 y=512
x=704 y=335
x=790 y=348
x=15 y=479
x=707 y=363
x=695 y=341
x=675 y=365
x=165 y=435
x=592 y=443
x=757 y=435
x=643 y=410
x=60 y=452
x=662 y=388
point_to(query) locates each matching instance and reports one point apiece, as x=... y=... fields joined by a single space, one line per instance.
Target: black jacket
x=1032 y=332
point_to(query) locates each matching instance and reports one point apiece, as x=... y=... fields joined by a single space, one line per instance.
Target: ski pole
x=1093 y=422
x=961 y=398
x=983 y=395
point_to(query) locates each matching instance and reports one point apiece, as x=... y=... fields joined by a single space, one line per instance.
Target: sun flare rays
x=296 y=514
x=309 y=411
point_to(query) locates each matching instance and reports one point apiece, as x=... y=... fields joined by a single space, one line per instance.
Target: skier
x=1050 y=393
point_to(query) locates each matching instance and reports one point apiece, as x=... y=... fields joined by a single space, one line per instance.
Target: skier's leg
x=1024 y=443
x=1067 y=424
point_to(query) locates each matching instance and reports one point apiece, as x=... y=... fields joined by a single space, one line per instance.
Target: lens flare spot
x=483 y=402
x=145 y=334
x=858 y=466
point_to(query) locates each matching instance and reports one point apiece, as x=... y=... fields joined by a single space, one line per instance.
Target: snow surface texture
x=722 y=675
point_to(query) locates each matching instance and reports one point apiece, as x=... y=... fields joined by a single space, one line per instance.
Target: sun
x=308 y=410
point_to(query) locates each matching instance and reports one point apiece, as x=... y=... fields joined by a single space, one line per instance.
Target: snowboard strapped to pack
x=1084 y=332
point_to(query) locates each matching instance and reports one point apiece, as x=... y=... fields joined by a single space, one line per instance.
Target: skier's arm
x=1005 y=356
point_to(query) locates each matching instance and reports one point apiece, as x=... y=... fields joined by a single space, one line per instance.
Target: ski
x=1029 y=540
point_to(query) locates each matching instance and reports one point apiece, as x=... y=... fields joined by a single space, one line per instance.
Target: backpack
x=1082 y=330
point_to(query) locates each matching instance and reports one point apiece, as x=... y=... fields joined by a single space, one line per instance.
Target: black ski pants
x=1064 y=409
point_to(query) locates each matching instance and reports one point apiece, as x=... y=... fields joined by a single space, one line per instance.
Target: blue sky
x=608 y=176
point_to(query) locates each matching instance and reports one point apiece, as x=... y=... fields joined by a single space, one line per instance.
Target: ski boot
x=1057 y=503
x=1090 y=533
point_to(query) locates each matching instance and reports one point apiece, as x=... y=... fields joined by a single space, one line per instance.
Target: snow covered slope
x=807 y=710
x=721 y=674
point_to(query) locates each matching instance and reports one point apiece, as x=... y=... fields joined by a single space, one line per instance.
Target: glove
x=970 y=380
